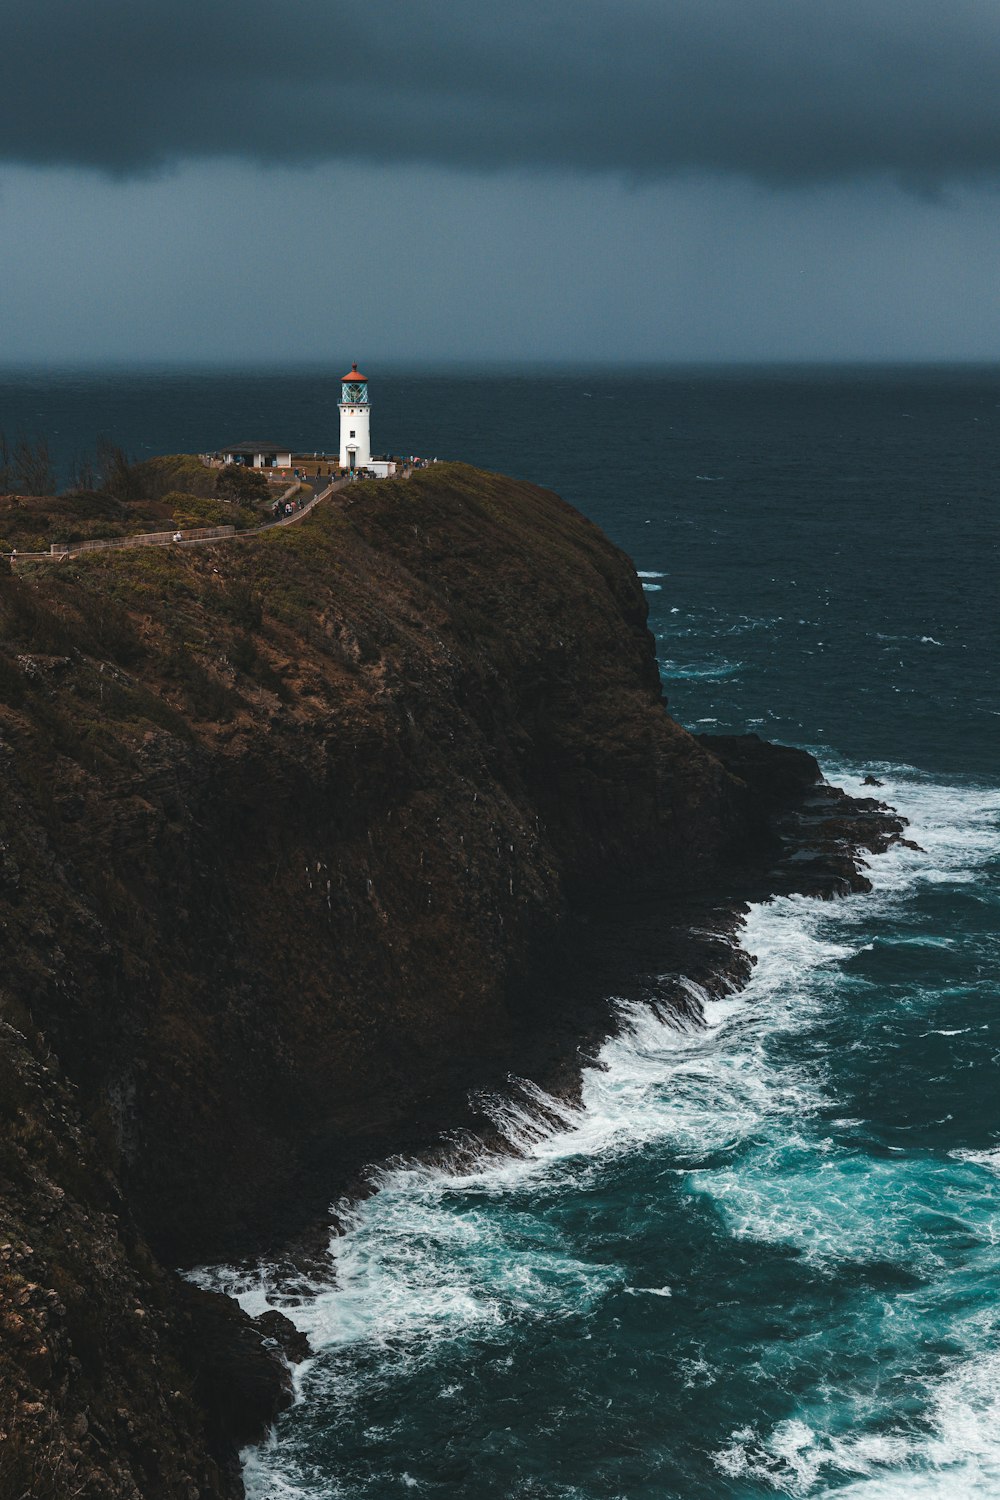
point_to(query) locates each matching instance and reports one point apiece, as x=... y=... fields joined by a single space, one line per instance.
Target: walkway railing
x=142 y=539
x=180 y=537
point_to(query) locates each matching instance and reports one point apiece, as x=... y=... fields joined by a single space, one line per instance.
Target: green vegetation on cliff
x=120 y=499
x=285 y=825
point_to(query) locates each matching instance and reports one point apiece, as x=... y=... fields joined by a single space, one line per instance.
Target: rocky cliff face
x=287 y=827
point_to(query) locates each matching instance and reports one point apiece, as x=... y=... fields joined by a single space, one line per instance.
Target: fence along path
x=194 y=536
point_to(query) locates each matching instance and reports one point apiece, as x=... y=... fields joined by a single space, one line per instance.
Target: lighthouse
x=355 y=416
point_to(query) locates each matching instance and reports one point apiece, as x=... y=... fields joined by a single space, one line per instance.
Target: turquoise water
x=763 y=1257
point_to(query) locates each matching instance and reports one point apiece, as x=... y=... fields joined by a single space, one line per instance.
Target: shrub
x=243 y=653
x=171 y=473
x=30 y=621
x=196 y=510
x=205 y=695
x=11 y=682
x=241 y=484
x=242 y=604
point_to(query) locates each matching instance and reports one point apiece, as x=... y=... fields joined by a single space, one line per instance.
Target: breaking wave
x=780 y=1225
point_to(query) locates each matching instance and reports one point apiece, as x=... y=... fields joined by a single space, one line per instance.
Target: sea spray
x=737 y=1163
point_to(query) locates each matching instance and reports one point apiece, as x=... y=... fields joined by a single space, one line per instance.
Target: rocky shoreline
x=300 y=843
x=653 y=945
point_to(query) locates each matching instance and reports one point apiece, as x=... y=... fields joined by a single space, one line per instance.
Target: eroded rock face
x=96 y=1392
x=286 y=829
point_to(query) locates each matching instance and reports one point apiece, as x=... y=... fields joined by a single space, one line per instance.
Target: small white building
x=355 y=421
x=258 y=455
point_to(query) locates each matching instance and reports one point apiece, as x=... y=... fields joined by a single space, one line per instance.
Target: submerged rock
x=282 y=1332
x=240 y=1385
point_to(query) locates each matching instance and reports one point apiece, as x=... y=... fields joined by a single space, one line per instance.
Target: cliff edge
x=289 y=827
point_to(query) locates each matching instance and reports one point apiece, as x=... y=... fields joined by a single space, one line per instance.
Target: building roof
x=255 y=448
x=354 y=375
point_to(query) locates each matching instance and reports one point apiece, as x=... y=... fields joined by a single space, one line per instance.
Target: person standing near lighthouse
x=355 y=416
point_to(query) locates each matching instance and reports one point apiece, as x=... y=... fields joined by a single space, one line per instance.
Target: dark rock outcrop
x=293 y=833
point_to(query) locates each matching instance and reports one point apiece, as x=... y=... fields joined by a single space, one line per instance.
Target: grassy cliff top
x=174 y=488
x=223 y=633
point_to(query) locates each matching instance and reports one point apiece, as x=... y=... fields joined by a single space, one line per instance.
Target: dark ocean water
x=764 y=1258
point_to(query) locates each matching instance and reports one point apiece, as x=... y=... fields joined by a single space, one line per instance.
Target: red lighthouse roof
x=354 y=375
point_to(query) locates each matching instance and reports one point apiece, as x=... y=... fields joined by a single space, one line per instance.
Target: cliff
x=290 y=830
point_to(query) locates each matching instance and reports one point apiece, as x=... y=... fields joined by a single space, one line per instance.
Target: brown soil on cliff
x=286 y=827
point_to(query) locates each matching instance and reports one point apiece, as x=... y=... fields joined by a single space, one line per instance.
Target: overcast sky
x=541 y=179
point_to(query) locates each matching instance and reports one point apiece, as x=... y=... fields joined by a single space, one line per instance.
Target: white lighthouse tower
x=355 y=417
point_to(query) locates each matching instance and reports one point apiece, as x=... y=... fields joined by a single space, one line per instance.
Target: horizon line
x=492 y=364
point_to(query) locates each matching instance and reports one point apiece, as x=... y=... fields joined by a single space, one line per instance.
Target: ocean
x=763 y=1256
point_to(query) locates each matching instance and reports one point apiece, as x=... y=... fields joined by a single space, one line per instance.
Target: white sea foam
x=792 y=1456
x=953 y=1455
x=956 y=827
x=990 y=1159
x=744 y=624
x=652 y=588
x=802 y=1189
x=649 y=573
x=836 y=1206
x=427 y=1258
x=265 y=1479
x=409 y=1262
x=701 y=671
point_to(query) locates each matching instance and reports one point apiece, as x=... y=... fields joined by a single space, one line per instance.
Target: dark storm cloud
x=782 y=90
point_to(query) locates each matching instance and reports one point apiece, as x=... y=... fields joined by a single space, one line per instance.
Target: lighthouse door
x=352 y=458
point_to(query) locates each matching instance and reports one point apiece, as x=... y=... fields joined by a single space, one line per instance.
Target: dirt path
x=194 y=537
